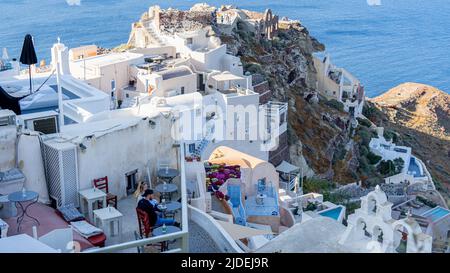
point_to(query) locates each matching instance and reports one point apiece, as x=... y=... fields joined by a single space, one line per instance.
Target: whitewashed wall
x=8 y=136
x=32 y=165
x=110 y=155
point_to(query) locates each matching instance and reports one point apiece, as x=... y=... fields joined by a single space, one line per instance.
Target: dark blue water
x=399 y=41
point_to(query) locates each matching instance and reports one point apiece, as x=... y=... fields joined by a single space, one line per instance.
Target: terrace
x=125 y=236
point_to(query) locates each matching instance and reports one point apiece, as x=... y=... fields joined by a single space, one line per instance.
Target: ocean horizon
x=383 y=45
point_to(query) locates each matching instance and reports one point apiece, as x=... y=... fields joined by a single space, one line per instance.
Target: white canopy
x=238 y=232
x=286 y=167
x=226 y=77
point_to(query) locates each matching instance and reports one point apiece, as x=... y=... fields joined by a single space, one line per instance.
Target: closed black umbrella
x=28 y=55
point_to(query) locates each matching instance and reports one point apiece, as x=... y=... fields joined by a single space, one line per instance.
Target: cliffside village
x=173 y=113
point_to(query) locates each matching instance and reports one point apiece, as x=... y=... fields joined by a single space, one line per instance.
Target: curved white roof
x=318 y=235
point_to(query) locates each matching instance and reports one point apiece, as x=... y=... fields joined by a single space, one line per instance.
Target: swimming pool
x=333 y=213
x=436 y=213
x=414 y=168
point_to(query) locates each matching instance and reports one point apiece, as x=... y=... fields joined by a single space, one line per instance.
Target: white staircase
x=203 y=143
x=156 y=39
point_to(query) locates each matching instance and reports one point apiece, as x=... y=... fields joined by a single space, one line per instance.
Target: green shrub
x=399 y=163
x=365 y=136
x=364 y=166
x=390 y=135
x=389 y=168
x=351 y=207
x=363 y=151
x=340 y=153
x=253 y=68
x=316 y=185
x=364 y=122
x=373 y=181
x=426 y=201
x=311 y=206
x=373 y=158
x=335 y=198
x=335 y=104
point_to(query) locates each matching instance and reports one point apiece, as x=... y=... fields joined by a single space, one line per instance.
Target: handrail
x=137 y=243
x=184 y=205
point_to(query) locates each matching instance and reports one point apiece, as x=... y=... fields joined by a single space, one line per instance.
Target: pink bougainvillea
x=217 y=175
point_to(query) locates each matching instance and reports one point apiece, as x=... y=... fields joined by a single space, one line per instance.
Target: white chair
x=162 y=164
x=59 y=239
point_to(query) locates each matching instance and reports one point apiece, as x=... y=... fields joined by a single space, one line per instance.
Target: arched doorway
x=372 y=205
x=401 y=239
x=361 y=228
x=378 y=234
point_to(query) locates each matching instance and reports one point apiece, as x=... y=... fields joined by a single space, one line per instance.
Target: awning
x=286 y=167
x=238 y=232
x=226 y=77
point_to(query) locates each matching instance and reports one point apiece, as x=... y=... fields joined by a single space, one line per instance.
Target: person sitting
x=141 y=188
x=147 y=204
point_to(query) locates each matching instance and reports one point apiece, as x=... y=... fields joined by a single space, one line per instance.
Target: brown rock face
x=418 y=106
x=421 y=115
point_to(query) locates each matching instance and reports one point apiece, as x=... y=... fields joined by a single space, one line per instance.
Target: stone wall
x=282 y=151
x=178 y=21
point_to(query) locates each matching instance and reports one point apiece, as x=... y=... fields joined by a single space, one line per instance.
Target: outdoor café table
x=169 y=229
x=168 y=174
x=170 y=208
x=91 y=196
x=20 y=197
x=166 y=190
x=106 y=217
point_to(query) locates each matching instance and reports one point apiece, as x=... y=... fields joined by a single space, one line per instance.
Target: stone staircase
x=154 y=37
x=203 y=143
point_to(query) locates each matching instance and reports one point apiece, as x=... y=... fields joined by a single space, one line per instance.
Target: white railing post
x=184 y=209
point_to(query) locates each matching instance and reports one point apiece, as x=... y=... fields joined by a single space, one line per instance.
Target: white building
x=339 y=84
x=369 y=230
x=414 y=170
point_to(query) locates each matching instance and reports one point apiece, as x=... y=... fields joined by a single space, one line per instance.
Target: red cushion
x=96 y=240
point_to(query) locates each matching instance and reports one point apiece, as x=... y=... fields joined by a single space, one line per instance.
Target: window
x=127 y=95
x=182 y=90
x=113 y=85
x=131 y=180
x=189 y=41
x=192 y=148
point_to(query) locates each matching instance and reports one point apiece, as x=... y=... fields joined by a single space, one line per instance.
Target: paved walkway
x=200 y=241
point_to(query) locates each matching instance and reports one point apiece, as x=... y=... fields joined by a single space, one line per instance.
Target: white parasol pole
x=58 y=80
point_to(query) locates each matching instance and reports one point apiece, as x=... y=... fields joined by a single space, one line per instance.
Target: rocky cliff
x=318 y=131
x=420 y=116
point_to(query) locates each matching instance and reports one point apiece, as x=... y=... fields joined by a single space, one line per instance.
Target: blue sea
x=384 y=45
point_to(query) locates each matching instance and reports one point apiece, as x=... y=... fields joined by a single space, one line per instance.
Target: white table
x=24 y=243
x=91 y=196
x=106 y=217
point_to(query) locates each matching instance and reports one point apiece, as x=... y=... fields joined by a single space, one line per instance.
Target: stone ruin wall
x=171 y=21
